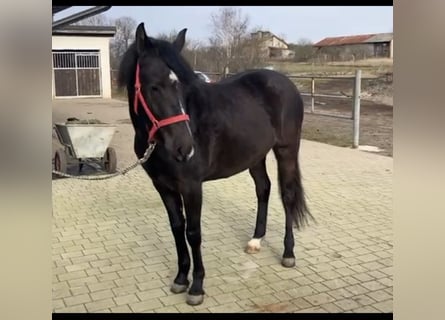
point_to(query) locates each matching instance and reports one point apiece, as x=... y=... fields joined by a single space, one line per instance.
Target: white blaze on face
x=192 y=152
x=173 y=77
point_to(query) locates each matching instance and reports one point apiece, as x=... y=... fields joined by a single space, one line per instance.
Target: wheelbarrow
x=85 y=142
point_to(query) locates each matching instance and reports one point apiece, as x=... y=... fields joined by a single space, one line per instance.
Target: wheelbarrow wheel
x=60 y=161
x=110 y=160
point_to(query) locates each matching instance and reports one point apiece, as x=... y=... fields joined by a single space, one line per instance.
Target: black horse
x=207 y=132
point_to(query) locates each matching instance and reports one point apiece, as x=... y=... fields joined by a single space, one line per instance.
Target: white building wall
x=88 y=43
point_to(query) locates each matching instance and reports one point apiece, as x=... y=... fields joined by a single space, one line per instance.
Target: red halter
x=156 y=123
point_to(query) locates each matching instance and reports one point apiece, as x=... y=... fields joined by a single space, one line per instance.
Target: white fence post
x=356 y=107
x=312 y=94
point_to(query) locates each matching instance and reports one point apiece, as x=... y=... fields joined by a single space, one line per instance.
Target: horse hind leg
x=292 y=195
x=262 y=187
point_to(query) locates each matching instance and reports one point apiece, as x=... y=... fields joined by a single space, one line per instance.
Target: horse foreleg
x=262 y=187
x=173 y=204
x=193 y=202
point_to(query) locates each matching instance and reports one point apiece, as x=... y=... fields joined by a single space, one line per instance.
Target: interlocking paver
x=319 y=299
x=380 y=295
x=320 y=287
x=301 y=291
x=125 y=290
x=101 y=286
x=80 y=299
x=151 y=294
x=72 y=275
x=373 y=285
x=78 y=290
x=61 y=293
x=143 y=286
x=121 y=309
x=58 y=304
x=347 y=304
x=172 y=299
x=100 y=305
x=364 y=300
x=74 y=309
x=310 y=279
x=366 y=309
x=100 y=295
x=332 y=308
x=225 y=298
x=226 y=308
x=82 y=281
x=113 y=249
x=169 y=309
x=386 y=281
x=384 y=306
x=129 y=298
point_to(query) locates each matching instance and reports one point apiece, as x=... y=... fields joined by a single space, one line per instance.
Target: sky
x=293 y=23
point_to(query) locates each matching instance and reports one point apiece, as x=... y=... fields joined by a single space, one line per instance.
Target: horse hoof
x=288 y=262
x=194 y=300
x=252 y=250
x=178 y=288
x=253 y=246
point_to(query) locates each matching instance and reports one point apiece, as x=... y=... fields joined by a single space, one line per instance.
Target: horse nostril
x=184 y=156
x=181 y=156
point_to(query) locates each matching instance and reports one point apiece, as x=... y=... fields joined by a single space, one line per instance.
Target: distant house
x=81 y=61
x=272 y=46
x=357 y=46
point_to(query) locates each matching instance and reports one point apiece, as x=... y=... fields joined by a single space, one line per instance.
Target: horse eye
x=154 y=88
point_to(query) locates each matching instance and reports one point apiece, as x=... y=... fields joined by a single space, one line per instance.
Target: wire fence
x=307 y=85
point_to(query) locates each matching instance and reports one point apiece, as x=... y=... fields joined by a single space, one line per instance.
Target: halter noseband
x=157 y=124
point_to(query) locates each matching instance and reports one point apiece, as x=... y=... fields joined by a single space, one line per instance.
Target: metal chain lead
x=142 y=160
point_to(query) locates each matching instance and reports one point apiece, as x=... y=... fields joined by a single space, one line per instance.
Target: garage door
x=77 y=73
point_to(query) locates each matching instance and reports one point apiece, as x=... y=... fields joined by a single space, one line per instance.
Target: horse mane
x=127 y=67
x=171 y=57
x=175 y=61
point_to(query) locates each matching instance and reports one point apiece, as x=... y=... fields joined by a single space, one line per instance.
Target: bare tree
x=170 y=37
x=304 y=50
x=192 y=52
x=230 y=30
x=125 y=30
x=97 y=20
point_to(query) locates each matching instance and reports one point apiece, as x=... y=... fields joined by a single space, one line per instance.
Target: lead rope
x=140 y=161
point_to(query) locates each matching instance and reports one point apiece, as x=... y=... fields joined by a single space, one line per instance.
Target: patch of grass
x=323 y=134
x=369 y=67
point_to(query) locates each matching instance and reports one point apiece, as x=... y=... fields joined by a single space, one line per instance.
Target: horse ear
x=180 y=40
x=142 y=41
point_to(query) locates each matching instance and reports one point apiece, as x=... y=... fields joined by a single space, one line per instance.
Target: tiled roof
x=364 y=38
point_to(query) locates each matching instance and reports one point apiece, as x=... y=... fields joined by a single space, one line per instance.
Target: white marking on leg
x=254 y=244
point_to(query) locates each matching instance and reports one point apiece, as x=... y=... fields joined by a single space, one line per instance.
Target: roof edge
x=86 y=30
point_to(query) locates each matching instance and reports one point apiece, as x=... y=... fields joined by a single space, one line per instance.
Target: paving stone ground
x=113 y=251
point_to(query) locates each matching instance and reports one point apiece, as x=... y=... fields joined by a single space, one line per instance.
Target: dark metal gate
x=77 y=73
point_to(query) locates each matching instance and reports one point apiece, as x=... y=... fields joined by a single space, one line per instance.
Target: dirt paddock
x=376 y=114
x=376 y=124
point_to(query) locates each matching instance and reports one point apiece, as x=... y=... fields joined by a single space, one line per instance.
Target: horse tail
x=301 y=213
x=290 y=182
